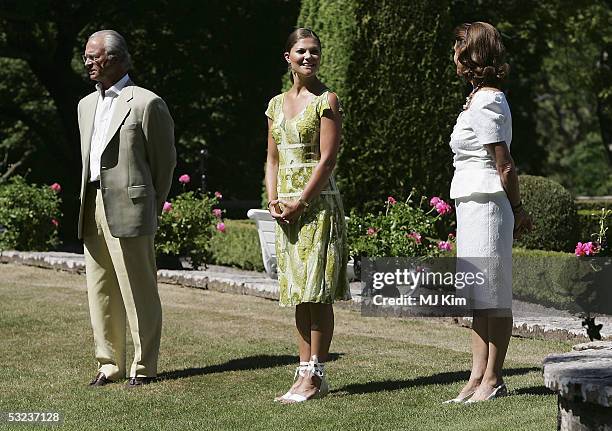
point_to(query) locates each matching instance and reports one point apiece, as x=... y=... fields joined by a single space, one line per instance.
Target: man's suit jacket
x=137 y=163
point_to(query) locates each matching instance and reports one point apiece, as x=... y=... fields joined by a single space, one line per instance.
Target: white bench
x=266 y=228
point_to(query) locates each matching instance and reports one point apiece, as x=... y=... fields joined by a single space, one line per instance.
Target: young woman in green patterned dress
x=304 y=127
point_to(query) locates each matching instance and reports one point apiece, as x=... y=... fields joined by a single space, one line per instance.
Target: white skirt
x=485 y=224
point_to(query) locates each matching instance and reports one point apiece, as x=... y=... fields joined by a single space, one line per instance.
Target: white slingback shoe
x=459 y=399
x=315 y=368
x=300 y=370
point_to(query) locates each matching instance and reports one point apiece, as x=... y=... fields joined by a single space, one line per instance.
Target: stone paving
x=529 y=319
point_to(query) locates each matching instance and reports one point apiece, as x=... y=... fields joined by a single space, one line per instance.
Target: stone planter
x=583 y=380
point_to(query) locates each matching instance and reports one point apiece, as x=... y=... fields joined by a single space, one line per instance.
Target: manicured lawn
x=224 y=357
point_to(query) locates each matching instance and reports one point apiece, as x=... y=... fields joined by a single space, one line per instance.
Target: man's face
x=96 y=60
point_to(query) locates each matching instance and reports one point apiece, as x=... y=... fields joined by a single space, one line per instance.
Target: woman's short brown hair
x=481 y=54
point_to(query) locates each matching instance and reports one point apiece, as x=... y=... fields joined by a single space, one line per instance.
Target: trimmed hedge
x=554 y=215
x=562 y=281
x=389 y=63
x=335 y=24
x=594 y=205
x=238 y=246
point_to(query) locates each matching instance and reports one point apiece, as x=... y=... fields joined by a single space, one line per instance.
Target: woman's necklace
x=471 y=95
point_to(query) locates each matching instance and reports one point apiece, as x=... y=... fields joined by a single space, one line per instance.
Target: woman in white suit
x=488 y=203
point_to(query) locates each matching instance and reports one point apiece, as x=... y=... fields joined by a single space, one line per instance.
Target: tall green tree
x=560 y=85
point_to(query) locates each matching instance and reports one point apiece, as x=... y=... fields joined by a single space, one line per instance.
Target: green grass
x=224 y=357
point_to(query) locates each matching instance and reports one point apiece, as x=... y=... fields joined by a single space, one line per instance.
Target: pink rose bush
x=30 y=215
x=401 y=228
x=188 y=224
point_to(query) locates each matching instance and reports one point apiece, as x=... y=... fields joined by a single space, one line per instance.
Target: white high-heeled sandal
x=316 y=368
x=300 y=370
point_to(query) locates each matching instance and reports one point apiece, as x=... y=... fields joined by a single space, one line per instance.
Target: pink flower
x=391 y=200
x=451 y=236
x=54 y=221
x=371 y=231
x=221 y=227
x=588 y=248
x=218 y=195
x=441 y=206
x=434 y=201
x=415 y=235
x=56 y=187
x=445 y=245
x=184 y=179
x=167 y=207
x=217 y=212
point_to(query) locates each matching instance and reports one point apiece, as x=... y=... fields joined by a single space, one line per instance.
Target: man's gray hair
x=115 y=46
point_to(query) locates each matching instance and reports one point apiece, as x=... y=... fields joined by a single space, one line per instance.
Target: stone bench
x=266 y=229
x=583 y=380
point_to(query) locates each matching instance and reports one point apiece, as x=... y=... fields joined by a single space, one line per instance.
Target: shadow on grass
x=533 y=390
x=255 y=362
x=434 y=379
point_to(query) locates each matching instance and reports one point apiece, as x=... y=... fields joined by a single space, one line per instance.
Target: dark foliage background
x=216 y=63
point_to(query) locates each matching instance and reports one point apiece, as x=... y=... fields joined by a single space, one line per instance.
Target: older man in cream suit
x=127 y=146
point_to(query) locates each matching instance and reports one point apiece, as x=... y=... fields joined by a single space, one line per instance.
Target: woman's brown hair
x=481 y=54
x=298 y=34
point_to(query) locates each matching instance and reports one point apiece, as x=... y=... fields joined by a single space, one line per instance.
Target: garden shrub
x=400 y=115
x=29 y=216
x=238 y=246
x=335 y=24
x=400 y=229
x=387 y=61
x=186 y=228
x=562 y=281
x=554 y=215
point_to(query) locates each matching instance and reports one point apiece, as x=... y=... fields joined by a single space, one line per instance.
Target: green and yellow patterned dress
x=311 y=253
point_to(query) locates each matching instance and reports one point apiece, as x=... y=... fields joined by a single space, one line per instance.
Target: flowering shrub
x=187 y=226
x=599 y=246
x=29 y=215
x=403 y=229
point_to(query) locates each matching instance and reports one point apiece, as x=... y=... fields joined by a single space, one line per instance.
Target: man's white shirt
x=104 y=114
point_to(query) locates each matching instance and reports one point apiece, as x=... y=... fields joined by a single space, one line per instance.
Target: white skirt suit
x=485 y=221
